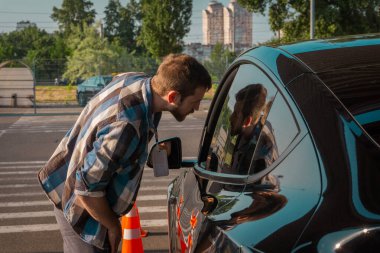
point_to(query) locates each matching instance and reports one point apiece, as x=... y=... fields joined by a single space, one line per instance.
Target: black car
x=289 y=159
x=88 y=88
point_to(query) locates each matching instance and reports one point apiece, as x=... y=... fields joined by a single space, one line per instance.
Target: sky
x=39 y=11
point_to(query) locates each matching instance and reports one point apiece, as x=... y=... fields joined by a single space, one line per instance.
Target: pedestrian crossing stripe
x=54 y=227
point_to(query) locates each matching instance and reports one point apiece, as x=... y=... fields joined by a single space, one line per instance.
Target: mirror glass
x=173 y=149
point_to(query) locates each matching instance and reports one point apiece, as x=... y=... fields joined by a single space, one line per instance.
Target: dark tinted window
x=358 y=88
x=107 y=79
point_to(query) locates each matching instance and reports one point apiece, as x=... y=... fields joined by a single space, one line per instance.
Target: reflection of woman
x=266 y=152
x=247 y=124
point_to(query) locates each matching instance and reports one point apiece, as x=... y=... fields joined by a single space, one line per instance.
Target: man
x=95 y=173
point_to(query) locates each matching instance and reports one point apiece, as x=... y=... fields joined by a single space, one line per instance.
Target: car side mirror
x=173 y=148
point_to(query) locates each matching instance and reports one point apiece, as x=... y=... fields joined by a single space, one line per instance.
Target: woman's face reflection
x=236 y=119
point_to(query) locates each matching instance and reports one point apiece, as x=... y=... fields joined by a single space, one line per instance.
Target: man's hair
x=182 y=73
x=253 y=97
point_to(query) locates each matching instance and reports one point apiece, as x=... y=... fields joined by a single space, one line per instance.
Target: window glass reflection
x=240 y=122
x=277 y=133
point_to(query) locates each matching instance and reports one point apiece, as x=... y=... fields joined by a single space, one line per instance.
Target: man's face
x=236 y=119
x=188 y=105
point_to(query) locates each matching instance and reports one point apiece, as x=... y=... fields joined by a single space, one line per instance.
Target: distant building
x=237 y=26
x=212 y=24
x=24 y=24
x=231 y=25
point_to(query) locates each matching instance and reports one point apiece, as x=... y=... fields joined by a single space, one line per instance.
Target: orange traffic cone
x=131 y=232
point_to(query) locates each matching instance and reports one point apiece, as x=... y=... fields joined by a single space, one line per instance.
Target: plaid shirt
x=103 y=154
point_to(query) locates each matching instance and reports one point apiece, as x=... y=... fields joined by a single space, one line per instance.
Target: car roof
x=331 y=54
x=349 y=66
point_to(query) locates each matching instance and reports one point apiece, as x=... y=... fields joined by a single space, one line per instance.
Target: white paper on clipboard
x=160 y=162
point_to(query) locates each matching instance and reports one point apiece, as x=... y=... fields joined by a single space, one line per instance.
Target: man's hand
x=166 y=146
x=100 y=210
x=114 y=237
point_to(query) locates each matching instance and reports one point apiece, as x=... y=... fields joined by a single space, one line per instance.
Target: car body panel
x=322 y=191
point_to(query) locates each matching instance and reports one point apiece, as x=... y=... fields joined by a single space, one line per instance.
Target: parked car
x=297 y=172
x=88 y=88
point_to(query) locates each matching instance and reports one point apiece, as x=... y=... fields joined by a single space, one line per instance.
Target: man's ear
x=173 y=97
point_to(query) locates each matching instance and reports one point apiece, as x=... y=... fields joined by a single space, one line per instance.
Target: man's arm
x=115 y=143
x=99 y=209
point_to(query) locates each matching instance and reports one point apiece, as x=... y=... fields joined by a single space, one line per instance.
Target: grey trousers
x=72 y=243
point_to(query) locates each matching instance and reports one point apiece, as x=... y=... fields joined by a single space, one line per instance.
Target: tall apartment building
x=231 y=25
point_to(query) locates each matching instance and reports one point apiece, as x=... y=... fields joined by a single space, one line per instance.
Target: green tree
x=131 y=61
x=73 y=13
x=37 y=48
x=164 y=25
x=220 y=58
x=16 y=44
x=112 y=19
x=123 y=23
x=332 y=18
x=91 y=54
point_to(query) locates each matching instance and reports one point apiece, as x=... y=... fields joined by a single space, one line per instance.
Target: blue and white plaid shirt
x=103 y=154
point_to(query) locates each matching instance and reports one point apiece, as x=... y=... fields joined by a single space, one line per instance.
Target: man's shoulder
x=130 y=77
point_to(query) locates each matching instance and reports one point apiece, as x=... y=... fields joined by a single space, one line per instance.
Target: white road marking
x=26 y=203
x=41 y=193
x=28 y=228
x=26 y=215
x=16 y=215
x=9 y=179
x=18 y=186
x=4 y=167
x=18 y=173
x=147 y=188
x=37 y=131
x=144 y=180
x=153 y=188
x=54 y=227
x=2 y=132
x=47 y=202
x=154 y=223
x=23 y=162
x=22 y=194
x=151 y=197
x=152 y=209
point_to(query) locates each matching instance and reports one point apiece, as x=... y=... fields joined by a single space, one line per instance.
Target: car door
x=284 y=184
x=232 y=198
x=218 y=191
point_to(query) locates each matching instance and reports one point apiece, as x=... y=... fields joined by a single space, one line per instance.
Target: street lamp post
x=312 y=18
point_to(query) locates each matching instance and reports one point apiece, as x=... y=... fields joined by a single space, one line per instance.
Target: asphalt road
x=27 y=223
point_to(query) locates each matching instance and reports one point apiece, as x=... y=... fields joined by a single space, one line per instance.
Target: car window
x=238 y=126
x=107 y=79
x=97 y=81
x=91 y=81
x=277 y=133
